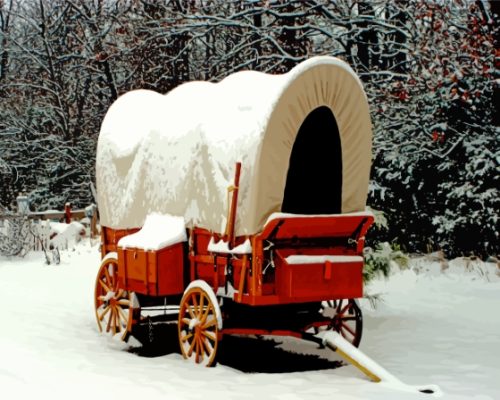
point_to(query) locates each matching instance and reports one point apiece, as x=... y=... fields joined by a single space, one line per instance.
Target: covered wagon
x=236 y=207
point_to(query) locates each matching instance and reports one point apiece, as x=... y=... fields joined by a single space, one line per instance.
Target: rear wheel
x=346 y=318
x=113 y=306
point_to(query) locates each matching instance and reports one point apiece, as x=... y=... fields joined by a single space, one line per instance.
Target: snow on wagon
x=236 y=207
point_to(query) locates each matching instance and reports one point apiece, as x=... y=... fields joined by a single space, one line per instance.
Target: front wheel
x=199 y=324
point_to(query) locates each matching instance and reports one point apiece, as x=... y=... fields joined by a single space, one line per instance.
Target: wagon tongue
x=370 y=368
x=291 y=227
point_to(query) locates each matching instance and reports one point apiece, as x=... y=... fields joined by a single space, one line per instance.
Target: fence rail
x=24 y=230
x=35 y=231
x=45 y=215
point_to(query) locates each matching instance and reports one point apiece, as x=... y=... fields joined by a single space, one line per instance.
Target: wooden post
x=243 y=276
x=93 y=224
x=229 y=234
x=67 y=213
x=23 y=204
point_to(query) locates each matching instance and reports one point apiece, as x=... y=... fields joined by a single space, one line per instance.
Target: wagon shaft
x=369 y=367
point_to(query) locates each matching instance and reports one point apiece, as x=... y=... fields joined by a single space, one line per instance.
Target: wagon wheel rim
x=198 y=329
x=347 y=319
x=112 y=304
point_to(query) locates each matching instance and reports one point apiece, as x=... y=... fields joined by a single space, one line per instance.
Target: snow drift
x=176 y=153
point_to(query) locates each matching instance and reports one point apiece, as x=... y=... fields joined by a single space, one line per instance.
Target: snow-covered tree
x=437 y=152
x=429 y=68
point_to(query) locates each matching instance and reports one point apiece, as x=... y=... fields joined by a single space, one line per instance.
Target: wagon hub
x=194 y=325
x=336 y=323
x=109 y=299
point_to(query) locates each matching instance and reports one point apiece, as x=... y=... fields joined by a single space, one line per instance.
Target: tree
x=435 y=163
x=429 y=69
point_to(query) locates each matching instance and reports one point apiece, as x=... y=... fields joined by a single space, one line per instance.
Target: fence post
x=67 y=212
x=23 y=204
x=93 y=225
x=91 y=213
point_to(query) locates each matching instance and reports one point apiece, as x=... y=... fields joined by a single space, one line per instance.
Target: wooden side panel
x=154 y=273
x=110 y=238
x=329 y=280
x=170 y=265
x=216 y=268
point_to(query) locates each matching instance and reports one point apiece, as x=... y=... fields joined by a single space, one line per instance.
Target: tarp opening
x=314 y=178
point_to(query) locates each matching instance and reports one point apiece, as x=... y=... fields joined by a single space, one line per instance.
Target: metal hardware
x=150 y=330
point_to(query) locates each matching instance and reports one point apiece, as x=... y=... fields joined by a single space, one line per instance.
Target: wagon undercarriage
x=301 y=320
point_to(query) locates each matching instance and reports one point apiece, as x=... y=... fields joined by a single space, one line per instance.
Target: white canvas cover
x=176 y=153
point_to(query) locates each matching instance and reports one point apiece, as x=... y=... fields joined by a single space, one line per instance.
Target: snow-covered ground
x=431 y=327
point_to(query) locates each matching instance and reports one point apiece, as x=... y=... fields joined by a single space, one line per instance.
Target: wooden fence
x=37 y=234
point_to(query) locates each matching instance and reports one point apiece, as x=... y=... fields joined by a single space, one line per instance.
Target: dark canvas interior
x=314 y=178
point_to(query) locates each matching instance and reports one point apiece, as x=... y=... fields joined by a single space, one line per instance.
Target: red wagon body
x=305 y=263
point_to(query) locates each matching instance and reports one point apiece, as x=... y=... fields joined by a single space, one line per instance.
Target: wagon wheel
x=346 y=318
x=198 y=326
x=113 y=306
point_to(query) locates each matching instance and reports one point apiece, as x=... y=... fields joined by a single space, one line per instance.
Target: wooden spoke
x=113 y=325
x=118 y=323
x=110 y=319
x=209 y=324
x=191 y=347
x=331 y=303
x=205 y=315
x=202 y=298
x=187 y=337
x=108 y=277
x=199 y=356
x=103 y=314
x=104 y=286
x=348 y=329
x=191 y=312
x=203 y=348
x=198 y=329
x=342 y=312
x=115 y=280
x=195 y=303
x=206 y=346
x=209 y=336
x=122 y=315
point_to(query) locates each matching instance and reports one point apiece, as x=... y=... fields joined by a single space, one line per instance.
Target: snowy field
x=431 y=327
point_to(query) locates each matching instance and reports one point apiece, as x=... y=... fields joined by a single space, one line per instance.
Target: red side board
x=262 y=277
x=110 y=238
x=154 y=273
x=338 y=280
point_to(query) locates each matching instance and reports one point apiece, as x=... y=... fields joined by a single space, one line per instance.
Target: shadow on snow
x=244 y=353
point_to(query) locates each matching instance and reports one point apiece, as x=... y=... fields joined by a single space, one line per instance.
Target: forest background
x=430 y=70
